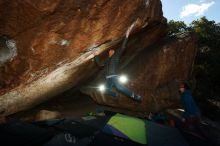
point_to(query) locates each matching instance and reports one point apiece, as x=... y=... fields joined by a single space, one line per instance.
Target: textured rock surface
x=154 y=73
x=54 y=39
x=41 y=27
x=46 y=115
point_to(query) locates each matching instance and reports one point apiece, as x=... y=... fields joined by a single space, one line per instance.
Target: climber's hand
x=128 y=31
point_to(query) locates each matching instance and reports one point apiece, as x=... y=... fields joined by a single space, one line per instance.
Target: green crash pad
x=132 y=127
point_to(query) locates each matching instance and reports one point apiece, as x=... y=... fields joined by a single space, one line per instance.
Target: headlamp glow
x=102 y=88
x=123 y=79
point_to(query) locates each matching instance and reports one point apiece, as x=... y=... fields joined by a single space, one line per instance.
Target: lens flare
x=102 y=88
x=123 y=79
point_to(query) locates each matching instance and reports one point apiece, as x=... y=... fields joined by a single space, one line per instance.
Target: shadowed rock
x=154 y=73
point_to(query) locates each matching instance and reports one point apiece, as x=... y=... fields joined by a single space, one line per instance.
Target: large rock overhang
x=55 y=40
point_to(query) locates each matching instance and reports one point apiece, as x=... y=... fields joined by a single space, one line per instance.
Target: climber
x=111 y=66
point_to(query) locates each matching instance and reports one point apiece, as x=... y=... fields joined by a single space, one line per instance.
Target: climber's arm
x=125 y=41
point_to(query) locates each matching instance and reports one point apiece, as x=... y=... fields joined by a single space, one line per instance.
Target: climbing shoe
x=138 y=98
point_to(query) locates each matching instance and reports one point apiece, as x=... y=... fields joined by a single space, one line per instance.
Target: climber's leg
x=121 y=88
x=109 y=85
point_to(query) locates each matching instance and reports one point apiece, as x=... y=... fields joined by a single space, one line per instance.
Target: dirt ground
x=68 y=104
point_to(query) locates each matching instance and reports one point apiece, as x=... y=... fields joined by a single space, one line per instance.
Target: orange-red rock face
x=49 y=33
x=54 y=41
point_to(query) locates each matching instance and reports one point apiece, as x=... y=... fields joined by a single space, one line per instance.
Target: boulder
x=55 y=41
x=43 y=115
x=154 y=73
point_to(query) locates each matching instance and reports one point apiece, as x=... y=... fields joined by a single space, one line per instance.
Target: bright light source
x=123 y=79
x=182 y=110
x=102 y=88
